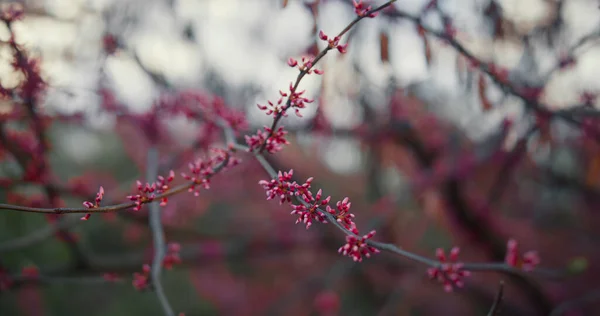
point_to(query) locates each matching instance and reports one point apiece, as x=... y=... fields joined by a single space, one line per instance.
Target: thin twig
x=317 y=58
x=529 y=103
x=105 y=209
x=571 y=51
x=495 y=309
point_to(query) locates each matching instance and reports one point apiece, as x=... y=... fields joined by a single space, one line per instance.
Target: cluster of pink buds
x=274 y=140
x=342 y=213
x=449 y=272
x=162 y=186
x=141 y=280
x=528 y=261
x=212 y=109
x=333 y=42
x=284 y=188
x=357 y=247
x=203 y=169
x=313 y=208
x=221 y=155
x=309 y=212
x=148 y=192
x=96 y=203
x=172 y=256
x=296 y=100
x=305 y=65
x=362 y=10
x=145 y=195
x=277 y=108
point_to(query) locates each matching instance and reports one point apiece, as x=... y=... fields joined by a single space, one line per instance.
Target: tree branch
x=157 y=236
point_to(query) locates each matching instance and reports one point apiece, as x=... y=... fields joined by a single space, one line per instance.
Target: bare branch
x=157 y=236
x=495 y=310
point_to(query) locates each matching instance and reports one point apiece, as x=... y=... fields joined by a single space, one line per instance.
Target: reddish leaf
x=384 y=47
x=485 y=103
x=421 y=31
x=593 y=171
x=545 y=131
x=314 y=10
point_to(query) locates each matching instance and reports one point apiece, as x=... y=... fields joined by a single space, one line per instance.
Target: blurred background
x=431 y=151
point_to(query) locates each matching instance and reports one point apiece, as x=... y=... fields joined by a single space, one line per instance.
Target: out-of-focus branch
x=39 y=235
x=489 y=69
x=569 y=53
x=495 y=309
x=129 y=262
x=482 y=231
x=36 y=162
x=508 y=166
x=158 y=237
x=78 y=280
